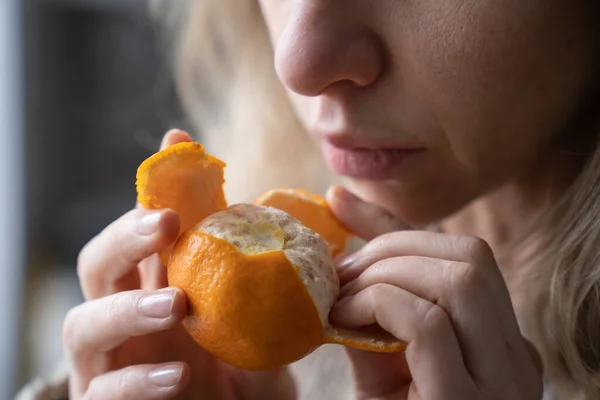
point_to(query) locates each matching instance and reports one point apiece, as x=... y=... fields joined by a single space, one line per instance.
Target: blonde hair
x=564 y=321
x=226 y=78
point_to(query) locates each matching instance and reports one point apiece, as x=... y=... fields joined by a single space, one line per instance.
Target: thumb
x=366 y=220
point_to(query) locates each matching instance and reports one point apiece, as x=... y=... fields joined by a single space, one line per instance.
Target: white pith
x=256 y=229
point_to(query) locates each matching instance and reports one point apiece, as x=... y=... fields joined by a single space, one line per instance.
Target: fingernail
x=344 y=263
x=158 y=305
x=166 y=376
x=149 y=224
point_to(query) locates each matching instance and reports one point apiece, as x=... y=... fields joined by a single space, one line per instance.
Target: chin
x=417 y=206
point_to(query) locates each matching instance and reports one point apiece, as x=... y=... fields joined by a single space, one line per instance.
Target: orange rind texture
x=313 y=211
x=251 y=311
x=183 y=177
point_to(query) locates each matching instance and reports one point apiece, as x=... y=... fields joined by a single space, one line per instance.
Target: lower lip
x=366 y=163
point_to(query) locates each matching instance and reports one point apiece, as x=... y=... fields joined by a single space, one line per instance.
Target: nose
x=324 y=44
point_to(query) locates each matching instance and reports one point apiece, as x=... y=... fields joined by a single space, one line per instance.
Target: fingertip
x=175 y=136
x=185 y=374
x=341 y=202
x=339 y=194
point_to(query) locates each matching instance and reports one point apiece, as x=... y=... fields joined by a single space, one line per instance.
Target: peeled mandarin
x=260 y=286
x=260 y=279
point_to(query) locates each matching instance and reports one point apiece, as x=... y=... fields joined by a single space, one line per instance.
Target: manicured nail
x=159 y=304
x=149 y=224
x=166 y=376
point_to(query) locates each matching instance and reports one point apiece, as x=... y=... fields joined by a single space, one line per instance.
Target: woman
x=476 y=117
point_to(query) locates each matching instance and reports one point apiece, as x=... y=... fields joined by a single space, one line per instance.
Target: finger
x=469 y=250
x=366 y=220
x=101 y=325
x=464 y=249
x=174 y=136
x=272 y=384
x=153 y=273
x=112 y=256
x=379 y=375
x=144 y=382
x=433 y=353
x=463 y=293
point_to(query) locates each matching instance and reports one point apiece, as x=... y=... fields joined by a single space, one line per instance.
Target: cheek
x=499 y=78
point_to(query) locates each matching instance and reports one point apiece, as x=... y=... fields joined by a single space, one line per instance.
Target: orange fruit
x=260 y=283
x=313 y=211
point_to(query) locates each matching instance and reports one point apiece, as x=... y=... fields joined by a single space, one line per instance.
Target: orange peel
x=185 y=178
x=260 y=281
x=313 y=211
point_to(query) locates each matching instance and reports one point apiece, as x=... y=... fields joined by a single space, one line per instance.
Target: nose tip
x=309 y=60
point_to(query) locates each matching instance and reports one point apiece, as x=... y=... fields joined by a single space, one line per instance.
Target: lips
x=370 y=163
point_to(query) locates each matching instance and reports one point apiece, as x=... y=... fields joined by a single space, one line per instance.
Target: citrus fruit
x=260 y=278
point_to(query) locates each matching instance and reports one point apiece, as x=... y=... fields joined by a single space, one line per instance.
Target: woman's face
x=428 y=104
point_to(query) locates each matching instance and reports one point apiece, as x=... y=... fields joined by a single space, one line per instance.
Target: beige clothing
x=325 y=374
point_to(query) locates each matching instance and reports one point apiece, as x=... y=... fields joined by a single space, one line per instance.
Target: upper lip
x=351 y=141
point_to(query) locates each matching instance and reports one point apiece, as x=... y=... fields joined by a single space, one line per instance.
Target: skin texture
x=484 y=86
x=487 y=89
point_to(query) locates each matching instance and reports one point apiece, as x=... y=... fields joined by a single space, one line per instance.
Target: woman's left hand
x=445 y=296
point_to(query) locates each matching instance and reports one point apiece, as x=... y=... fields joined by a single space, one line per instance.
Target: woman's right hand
x=127 y=341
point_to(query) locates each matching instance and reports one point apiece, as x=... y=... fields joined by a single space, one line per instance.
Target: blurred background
x=86 y=94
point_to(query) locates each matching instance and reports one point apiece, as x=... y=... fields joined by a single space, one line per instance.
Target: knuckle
x=107 y=386
x=379 y=296
x=124 y=380
x=117 y=308
x=383 y=242
x=94 y=389
x=434 y=318
x=84 y=259
x=477 y=249
x=70 y=330
x=463 y=277
x=377 y=293
x=110 y=234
